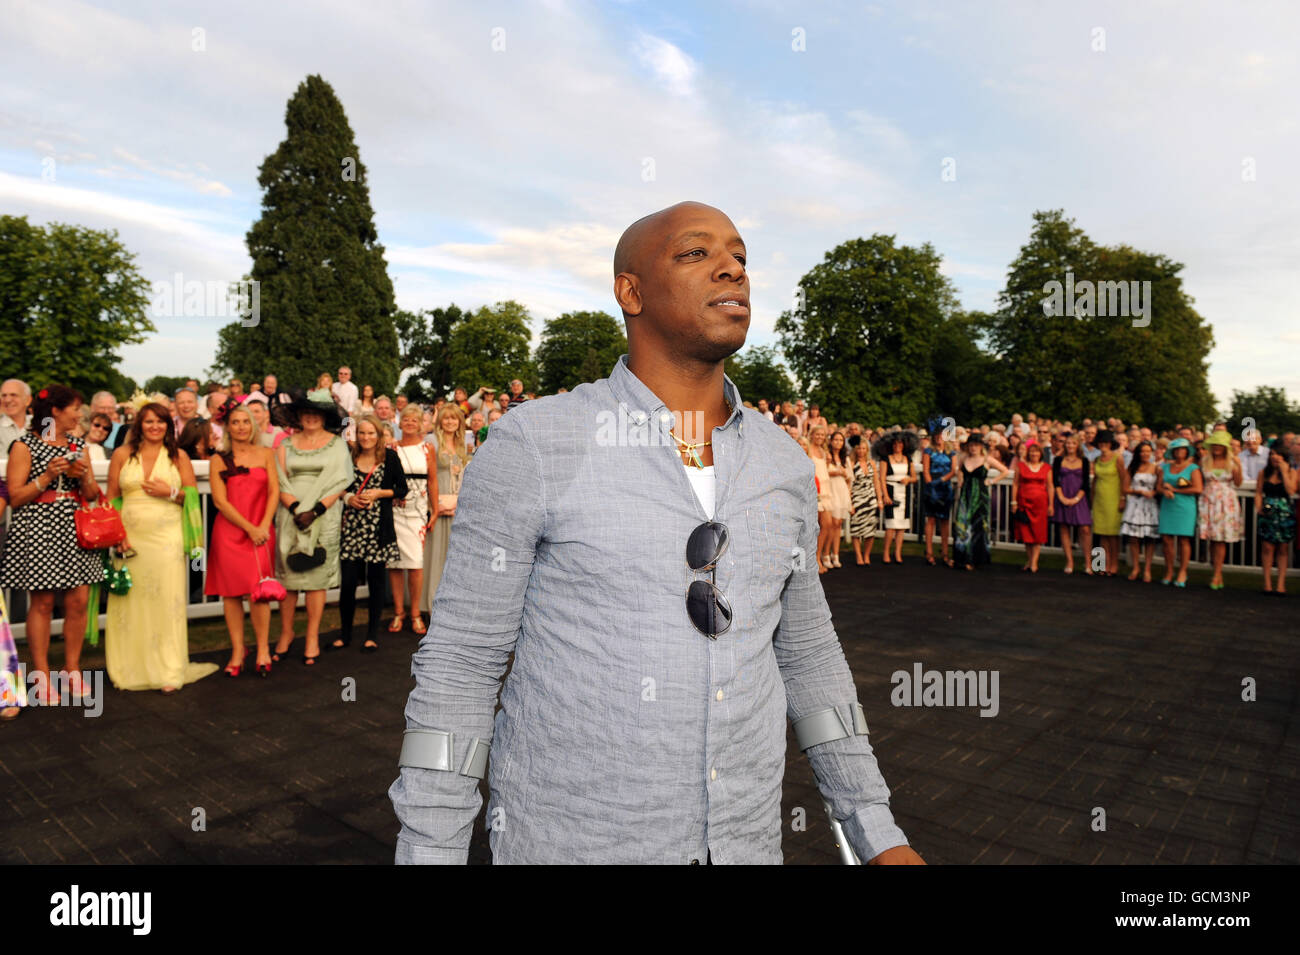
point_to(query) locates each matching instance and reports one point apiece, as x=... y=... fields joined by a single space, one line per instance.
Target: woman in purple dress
x=1070 y=478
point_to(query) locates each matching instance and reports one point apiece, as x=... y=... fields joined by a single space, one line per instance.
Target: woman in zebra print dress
x=863 y=507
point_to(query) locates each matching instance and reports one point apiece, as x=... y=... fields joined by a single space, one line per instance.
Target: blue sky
x=510 y=172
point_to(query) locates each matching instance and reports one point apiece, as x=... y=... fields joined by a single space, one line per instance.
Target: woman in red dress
x=1030 y=495
x=246 y=491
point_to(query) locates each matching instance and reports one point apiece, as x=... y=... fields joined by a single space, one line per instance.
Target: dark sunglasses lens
x=707 y=608
x=705 y=545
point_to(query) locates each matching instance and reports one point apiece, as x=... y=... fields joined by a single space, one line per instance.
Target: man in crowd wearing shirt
x=517 y=396
x=345 y=391
x=384 y=412
x=15 y=398
x=187 y=408
x=1253 y=457
x=644 y=718
x=106 y=404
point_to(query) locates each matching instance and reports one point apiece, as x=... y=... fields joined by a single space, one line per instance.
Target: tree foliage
x=759 y=373
x=1071 y=366
x=862 y=344
x=491 y=347
x=70 y=297
x=326 y=298
x=1267 y=408
x=577 y=347
x=425 y=341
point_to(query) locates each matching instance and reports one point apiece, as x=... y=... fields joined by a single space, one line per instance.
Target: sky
x=508 y=144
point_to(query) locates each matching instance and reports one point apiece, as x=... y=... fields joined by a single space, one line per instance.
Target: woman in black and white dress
x=410 y=519
x=48 y=476
x=865 y=496
x=368 y=541
x=894 y=450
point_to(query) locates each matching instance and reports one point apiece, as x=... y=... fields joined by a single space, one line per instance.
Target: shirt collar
x=636 y=399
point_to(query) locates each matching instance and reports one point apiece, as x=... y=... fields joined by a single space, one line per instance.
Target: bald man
x=650 y=572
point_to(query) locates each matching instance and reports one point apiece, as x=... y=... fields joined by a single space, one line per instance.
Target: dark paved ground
x=1113 y=695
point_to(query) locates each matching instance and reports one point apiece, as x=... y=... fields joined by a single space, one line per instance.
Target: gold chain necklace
x=691 y=449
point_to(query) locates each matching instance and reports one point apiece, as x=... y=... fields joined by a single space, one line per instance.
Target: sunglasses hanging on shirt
x=705 y=603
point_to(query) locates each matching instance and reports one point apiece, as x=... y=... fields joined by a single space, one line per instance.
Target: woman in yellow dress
x=147 y=634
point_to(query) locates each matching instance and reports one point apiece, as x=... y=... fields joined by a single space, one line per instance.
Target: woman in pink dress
x=245 y=490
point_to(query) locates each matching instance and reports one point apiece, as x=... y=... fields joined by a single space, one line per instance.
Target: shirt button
x=665 y=417
x=713 y=774
x=719 y=696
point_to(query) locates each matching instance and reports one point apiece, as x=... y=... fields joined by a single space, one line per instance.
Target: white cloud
x=671 y=66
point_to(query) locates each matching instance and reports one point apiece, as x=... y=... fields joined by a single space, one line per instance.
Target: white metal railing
x=1243 y=555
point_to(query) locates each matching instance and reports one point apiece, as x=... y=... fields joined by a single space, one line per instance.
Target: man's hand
x=899 y=855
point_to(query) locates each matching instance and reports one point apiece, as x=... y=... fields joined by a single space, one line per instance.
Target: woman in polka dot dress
x=49 y=475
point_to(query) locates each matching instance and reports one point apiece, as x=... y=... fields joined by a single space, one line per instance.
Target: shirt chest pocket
x=774 y=546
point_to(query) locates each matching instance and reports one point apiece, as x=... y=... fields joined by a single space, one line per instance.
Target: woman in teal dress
x=314 y=467
x=1180 y=483
x=970 y=525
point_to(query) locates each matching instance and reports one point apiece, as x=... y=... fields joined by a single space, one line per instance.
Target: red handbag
x=267 y=588
x=99 y=527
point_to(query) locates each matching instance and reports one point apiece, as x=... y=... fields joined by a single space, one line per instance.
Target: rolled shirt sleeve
x=472 y=631
x=816 y=677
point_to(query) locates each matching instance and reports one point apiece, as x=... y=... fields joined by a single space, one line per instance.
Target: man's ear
x=627 y=292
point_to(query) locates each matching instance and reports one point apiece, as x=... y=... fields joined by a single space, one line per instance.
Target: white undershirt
x=704 y=485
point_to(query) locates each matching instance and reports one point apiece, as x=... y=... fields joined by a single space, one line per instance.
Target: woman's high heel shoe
x=264 y=669
x=234 y=669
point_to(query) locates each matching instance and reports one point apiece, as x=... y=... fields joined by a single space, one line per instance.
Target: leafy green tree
x=861 y=345
x=325 y=296
x=758 y=373
x=70 y=297
x=166 y=384
x=970 y=385
x=491 y=347
x=577 y=347
x=1151 y=368
x=1268 y=409
x=425 y=341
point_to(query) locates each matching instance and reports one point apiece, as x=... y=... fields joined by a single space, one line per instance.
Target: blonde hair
x=453 y=409
x=381 y=437
x=227 y=446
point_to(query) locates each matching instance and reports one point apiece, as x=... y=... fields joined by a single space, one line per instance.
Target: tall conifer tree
x=325 y=296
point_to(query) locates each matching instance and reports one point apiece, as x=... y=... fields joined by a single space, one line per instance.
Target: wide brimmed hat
x=883 y=446
x=1177 y=443
x=1219 y=437
x=319 y=401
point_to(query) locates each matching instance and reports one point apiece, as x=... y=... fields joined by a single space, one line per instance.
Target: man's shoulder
x=776 y=441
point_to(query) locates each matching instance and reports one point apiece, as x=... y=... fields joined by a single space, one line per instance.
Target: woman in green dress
x=970 y=524
x=1109 y=492
x=314 y=467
